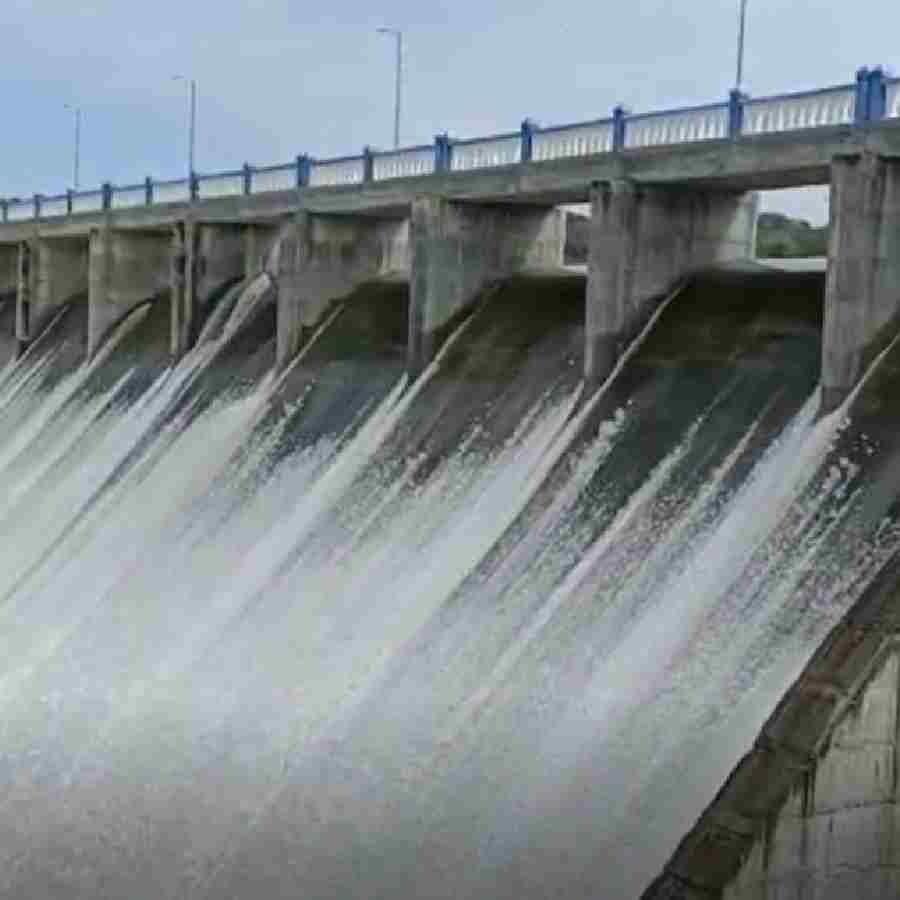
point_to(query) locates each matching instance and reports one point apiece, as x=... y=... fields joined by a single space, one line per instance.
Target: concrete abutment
x=644 y=241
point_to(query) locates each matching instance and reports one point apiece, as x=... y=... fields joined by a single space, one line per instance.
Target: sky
x=282 y=77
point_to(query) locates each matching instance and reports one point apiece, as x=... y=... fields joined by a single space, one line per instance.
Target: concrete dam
x=353 y=545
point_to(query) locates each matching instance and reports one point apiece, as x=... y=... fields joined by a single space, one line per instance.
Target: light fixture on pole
x=76 y=110
x=739 y=80
x=398 y=78
x=192 y=120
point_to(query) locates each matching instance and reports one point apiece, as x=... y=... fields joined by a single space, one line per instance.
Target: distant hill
x=777 y=236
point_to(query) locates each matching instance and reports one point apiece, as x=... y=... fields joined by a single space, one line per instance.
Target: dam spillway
x=334 y=630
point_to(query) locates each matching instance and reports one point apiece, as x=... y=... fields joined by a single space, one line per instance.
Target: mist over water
x=333 y=632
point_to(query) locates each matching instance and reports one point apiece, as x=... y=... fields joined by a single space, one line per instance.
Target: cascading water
x=331 y=633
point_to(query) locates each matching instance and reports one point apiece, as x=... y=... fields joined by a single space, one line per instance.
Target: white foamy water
x=223 y=675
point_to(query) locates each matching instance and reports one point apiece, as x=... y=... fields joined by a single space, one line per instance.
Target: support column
x=459 y=249
x=643 y=242
x=25 y=290
x=258 y=241
x=127 y=268
x=862 y=293
x=326 y=258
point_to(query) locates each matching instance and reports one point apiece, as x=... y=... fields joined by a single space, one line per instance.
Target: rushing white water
x=370 y=668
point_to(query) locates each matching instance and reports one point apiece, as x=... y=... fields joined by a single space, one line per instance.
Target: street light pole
x=77 y=111
x=398 y=79
x=192 y=120
x=739 y=80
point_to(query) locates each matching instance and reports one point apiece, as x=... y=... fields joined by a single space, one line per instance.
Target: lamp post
x=192 y=120
x=739 y=80
x=76 y=110
x=398 y=36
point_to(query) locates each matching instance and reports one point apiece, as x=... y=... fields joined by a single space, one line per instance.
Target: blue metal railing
x=870 y=98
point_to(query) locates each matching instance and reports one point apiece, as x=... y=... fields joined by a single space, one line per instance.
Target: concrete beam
x=459 y=249
x=324 y=258
x=862 y=294
x=126 y=269
x=643 y=242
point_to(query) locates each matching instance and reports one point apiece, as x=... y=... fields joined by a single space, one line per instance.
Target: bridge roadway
x=757 y=162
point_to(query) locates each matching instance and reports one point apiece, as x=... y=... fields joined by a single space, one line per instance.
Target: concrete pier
x=862 y=295
x=324 y=258
x=643 y=242
x=127 y=268
x=459 y=249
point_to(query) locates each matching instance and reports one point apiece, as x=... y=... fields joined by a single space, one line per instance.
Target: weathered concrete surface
x=459 y=249
x=813 y=810
x=323 y=258
x=643 y=241
x=862 y=297
x=52 y=272
x=126 y=269
x=838 y=834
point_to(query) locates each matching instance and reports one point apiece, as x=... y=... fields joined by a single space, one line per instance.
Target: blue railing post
x=877 y=94
x=248 y=178
x=368 y=163
x=619 y=114
x=106 y=192
x=528 y=129
x=735 y=113
x=443 y=151
x=193 y=186
x=861 y=112
x=148 y=190
x=69 y=193
x=304 y=170
x=37 y=206
x=4 y=206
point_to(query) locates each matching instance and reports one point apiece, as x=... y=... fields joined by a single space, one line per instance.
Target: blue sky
x=277 y=78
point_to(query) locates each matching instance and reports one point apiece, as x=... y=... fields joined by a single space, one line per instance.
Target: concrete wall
x=126 y=268
x=459 y=249
x=52 y=272
x=643 y=241
x=838 y=835
x=862 y=295
x=323 y=258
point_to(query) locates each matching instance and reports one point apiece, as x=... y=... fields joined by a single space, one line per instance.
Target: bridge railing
x=406 y=163
x=223 y=184
x=128 y=196
x=677 y=126
x=580 y=139
x=811 y=109
x=483 y=153
x=335 y=172
x=87 y=201
x=892 y=99
x=872 y=97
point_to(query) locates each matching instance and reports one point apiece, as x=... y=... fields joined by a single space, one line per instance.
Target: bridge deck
x=767 y=161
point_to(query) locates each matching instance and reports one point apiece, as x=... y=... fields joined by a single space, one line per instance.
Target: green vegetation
x=781 y=237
